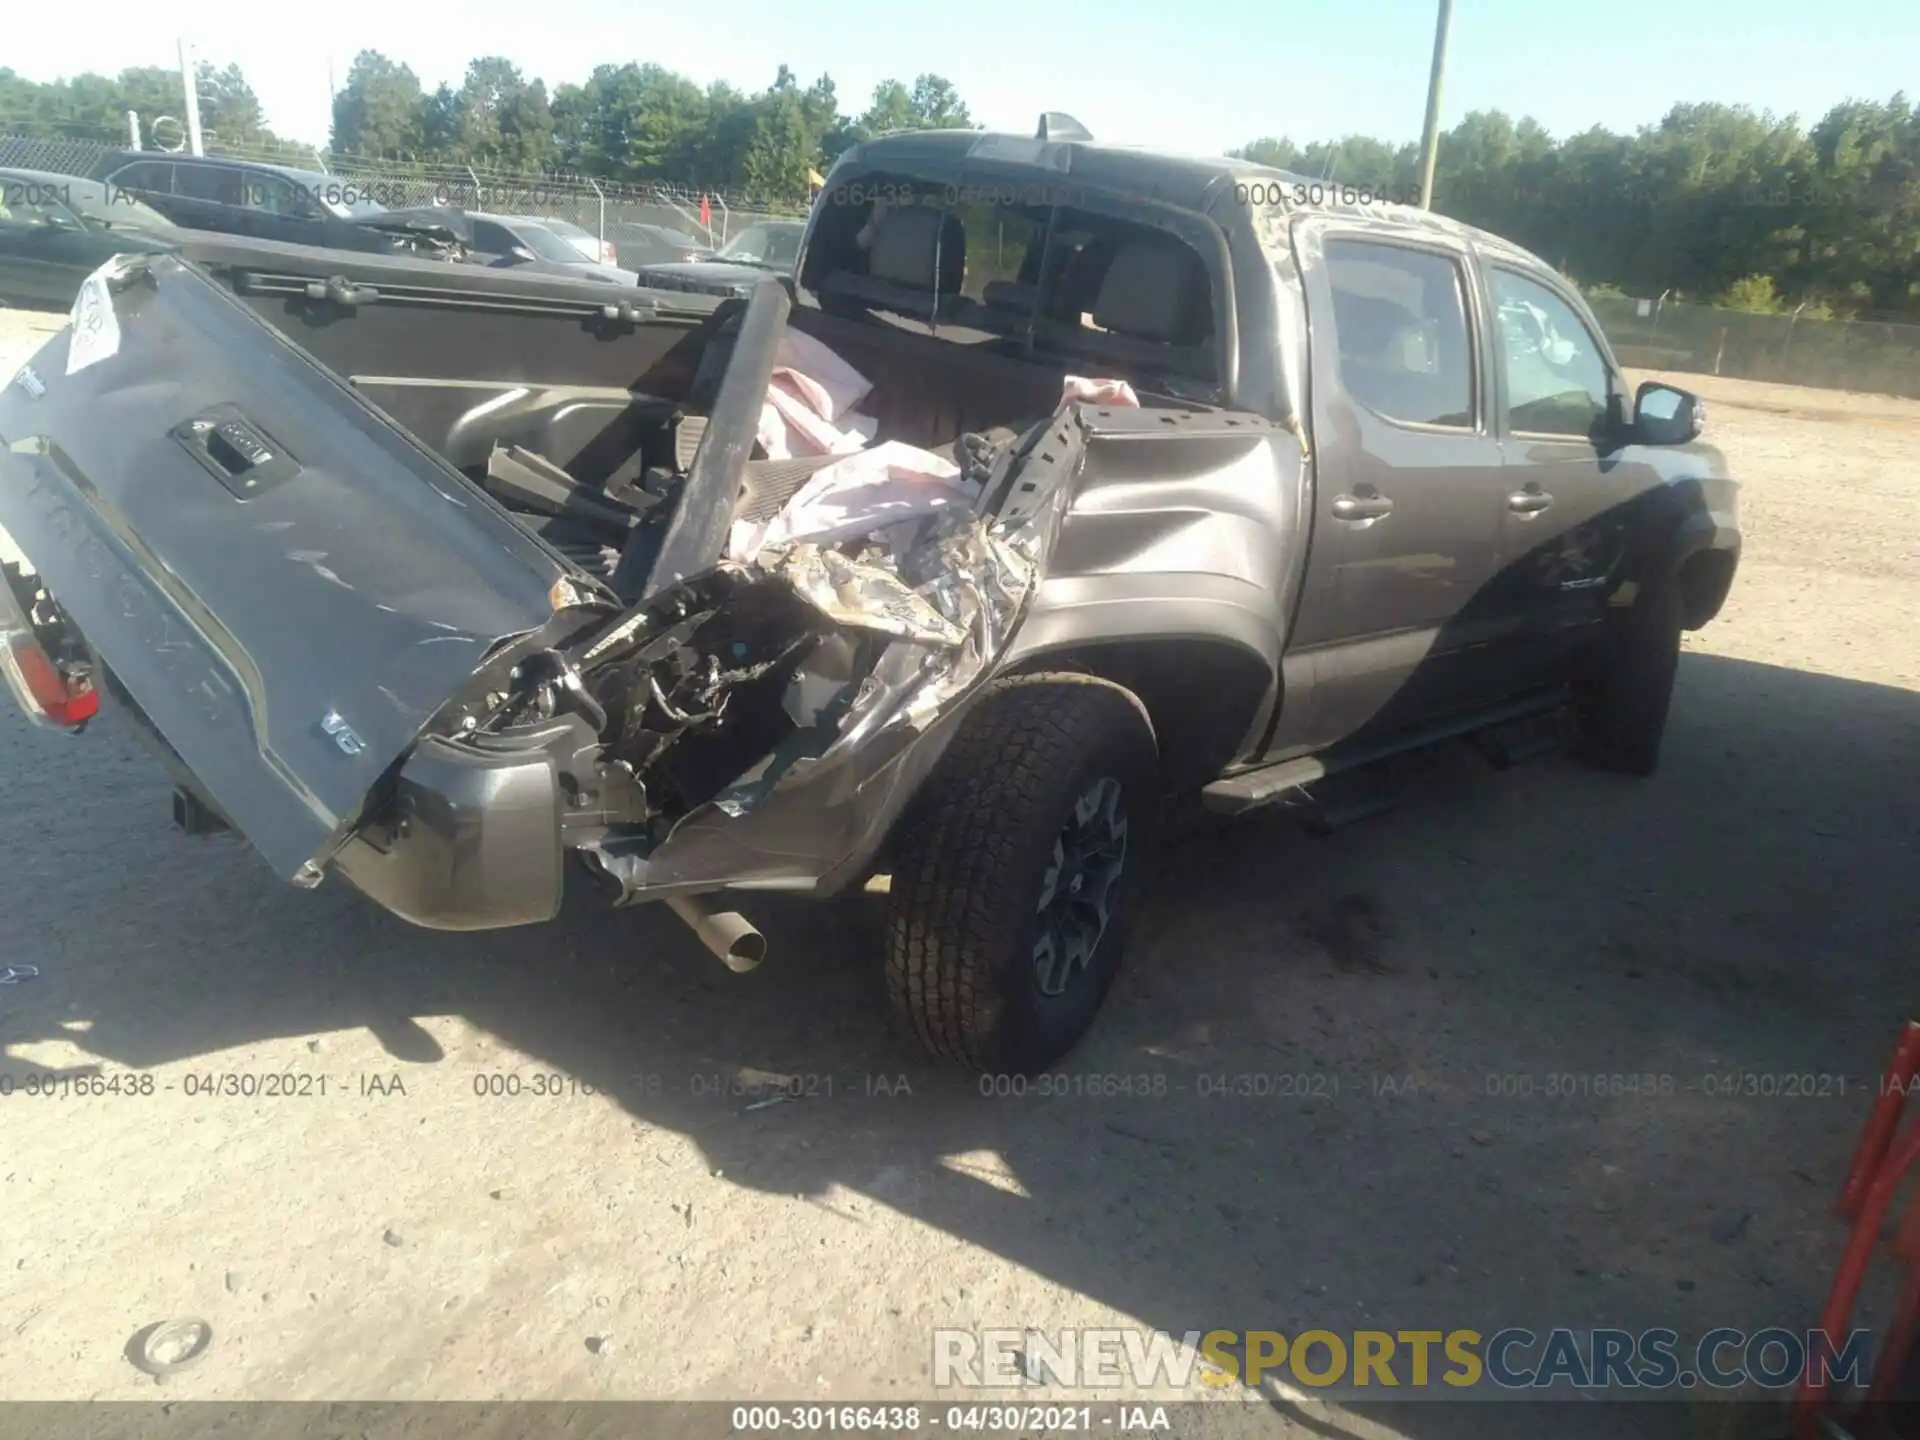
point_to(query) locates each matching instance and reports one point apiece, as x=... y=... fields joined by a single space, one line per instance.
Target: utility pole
x=1430 y=138
x=190 y=86
x=133 y=129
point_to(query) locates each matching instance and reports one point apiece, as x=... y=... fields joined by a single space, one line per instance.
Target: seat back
x=917 y=251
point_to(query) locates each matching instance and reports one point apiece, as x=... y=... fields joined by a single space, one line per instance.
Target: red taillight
x=608 y=254
x=40 y=687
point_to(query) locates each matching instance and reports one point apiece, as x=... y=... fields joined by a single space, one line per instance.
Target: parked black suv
x=273 y=202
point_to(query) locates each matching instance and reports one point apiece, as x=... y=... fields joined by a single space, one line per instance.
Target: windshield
x=33 y=204
x=124 y=213
x=547 y=245
x=773 y=247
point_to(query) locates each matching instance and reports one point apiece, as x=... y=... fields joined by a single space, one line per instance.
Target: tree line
x=1715 y=203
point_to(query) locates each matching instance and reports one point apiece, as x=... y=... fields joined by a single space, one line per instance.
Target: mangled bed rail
x=765 y=721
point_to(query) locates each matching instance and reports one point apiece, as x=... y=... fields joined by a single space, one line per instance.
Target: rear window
x=1130 y=293
x=1080 y=286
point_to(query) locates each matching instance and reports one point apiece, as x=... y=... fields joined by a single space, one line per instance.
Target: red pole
x=1897 y=1342
x=1874 y=1140
x=1877 y=1169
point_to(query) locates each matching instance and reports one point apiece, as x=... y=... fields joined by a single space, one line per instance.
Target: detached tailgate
x=287 y=584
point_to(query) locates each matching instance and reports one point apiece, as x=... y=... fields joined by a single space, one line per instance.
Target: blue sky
x=1196 y=75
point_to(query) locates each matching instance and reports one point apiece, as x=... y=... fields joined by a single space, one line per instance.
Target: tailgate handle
x=236 y=447
x=235 y=451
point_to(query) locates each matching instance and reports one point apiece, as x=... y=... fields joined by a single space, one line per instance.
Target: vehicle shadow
x=1375 y=1077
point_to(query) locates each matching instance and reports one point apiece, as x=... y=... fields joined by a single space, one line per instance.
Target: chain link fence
x=601 y=207
x=56 y=155
x=1867 y=355
x=1875 y=356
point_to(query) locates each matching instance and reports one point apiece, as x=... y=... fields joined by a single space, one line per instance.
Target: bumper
x=472 y=842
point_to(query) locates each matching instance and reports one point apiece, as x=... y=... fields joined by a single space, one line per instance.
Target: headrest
x=907 y=243
x=1148 y=291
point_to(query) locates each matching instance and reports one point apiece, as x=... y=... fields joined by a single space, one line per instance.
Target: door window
x=491 y=239
x=1400 y=324
x=150 y=177
x=213 y=183
x=1557 y=380
x=276 y=195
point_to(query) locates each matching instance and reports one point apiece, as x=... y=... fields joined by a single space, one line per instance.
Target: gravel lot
x=1750 y=911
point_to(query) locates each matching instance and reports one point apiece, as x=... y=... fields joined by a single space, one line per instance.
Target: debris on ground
x=170 y=1346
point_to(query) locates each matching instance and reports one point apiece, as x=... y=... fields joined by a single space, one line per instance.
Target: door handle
x=1361 y=507
x=1530 y=501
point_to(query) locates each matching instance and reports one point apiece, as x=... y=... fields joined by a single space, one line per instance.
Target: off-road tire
x=1622 y=697
x=971 y=858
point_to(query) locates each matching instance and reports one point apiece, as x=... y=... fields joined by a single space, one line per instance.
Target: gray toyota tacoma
x=419 y=576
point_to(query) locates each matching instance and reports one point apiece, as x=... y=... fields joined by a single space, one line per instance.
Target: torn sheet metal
x=96 y=329
x=861 y=596
x=870 y=490
x=983 y=574
x=895 y=542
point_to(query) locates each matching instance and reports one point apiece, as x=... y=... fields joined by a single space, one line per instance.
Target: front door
x=281 y=209
x=1571 y=479
x=1409 y=496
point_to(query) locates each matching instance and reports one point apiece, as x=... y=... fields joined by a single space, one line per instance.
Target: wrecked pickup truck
x=430 y=577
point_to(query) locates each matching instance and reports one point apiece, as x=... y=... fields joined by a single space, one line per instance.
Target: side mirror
x=56 y=221
x=1666 y=414
x=521 y=252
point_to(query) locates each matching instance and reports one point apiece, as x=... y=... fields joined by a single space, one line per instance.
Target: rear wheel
x=1624 y=695
x=1016 y=869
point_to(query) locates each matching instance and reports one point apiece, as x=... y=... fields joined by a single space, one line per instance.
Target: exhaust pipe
x=727 y=933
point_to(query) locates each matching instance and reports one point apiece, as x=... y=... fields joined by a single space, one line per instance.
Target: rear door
x=210 y=196
x=1394 y=625
x=281 y=209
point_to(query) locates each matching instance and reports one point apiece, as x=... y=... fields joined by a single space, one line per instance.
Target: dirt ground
x=1751 y=911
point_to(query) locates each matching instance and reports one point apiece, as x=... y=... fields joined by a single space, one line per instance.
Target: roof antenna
x=1058 y=125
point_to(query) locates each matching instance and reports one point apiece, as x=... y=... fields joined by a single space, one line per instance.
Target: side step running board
x=1270 y=784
